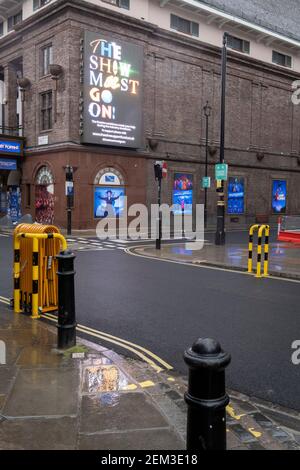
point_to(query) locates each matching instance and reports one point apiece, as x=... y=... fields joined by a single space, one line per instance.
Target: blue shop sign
x=8 y=164
x=13 y=147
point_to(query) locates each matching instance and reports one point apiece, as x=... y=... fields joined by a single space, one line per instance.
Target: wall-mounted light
x=23 y=84
x=56 y=72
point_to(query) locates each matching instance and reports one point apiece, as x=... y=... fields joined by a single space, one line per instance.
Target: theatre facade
x=108 y=95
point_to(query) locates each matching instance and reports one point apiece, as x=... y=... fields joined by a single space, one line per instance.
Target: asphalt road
x=165 y=307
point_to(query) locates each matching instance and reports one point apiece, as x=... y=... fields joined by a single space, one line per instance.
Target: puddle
x=103 y=378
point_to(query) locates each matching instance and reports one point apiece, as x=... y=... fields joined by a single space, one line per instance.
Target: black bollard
x=206 y=397
x=66 y=301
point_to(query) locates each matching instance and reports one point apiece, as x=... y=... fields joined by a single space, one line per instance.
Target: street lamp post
x=207 y=113
x=220 y=233
x=70 y=196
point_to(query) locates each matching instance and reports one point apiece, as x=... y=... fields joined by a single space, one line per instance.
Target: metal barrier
x=262 y=230
x=289 y=229
x=35 y=268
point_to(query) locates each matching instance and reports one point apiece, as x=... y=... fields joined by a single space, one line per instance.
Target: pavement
x=284 y=257
x=91 y=398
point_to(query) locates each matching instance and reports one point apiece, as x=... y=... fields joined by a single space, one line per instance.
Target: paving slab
x=39 y=434
x=44 y=392
x=156 y=439
x=130 y=411
x=7 y=376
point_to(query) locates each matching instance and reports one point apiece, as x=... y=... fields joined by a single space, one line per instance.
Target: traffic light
x=158 y=170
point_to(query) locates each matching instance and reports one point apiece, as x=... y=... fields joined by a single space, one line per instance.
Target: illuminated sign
x=279 y=193
x=183 y=193
x=8 y=164
x=111 y=103
x=11 y=147
x=108 y=202
x=236 y=196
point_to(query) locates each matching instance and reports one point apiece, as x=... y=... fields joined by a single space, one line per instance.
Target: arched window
x=44 y=196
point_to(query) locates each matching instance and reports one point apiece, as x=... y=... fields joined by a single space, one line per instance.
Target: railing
x=290 y=223
x=289 y=229
x=12 y=131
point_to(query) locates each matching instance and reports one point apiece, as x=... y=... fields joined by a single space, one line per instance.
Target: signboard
x=279 y=194
x=206 y=183
x=69 y=188
x=43 y=140
x=112 y=91
x=183 y=193
x=8 y=164
x=11 y=147
x=236 y=195
x=221 y=171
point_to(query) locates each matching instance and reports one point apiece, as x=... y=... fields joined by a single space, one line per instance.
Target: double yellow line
x=144 y=354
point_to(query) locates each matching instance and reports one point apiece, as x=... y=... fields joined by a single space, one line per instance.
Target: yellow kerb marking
x=130 y=387
x=147 y=384
x=231 y=413
x=255 y=433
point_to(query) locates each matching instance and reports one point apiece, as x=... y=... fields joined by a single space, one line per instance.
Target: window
x=39 y=3
x=184 y=26
x=13 y=20
x=238 y=44
x=46 y=111
x=1 y=28
x=282 y=59
x=46 y=59
x=119 y=3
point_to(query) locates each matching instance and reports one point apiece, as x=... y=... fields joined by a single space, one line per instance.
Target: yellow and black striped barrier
x=35 y=268
x=263 y=230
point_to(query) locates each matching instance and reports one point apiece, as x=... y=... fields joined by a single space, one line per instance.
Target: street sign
x=206 y=183
x=221 y=171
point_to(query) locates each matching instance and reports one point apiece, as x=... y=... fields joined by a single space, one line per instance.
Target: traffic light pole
x=70 y=195
x=220 y=233
x=158 y=240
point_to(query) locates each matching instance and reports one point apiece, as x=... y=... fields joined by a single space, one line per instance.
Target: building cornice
x=150 y=30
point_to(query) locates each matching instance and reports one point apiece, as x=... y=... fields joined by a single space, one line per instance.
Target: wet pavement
x=89 y=397
x=284 y=257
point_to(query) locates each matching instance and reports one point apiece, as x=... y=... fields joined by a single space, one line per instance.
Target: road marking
x=130 y=387
x=135 y=348
x=147 y=384
x=254 y=433
x=231 y=412
x=201 y=266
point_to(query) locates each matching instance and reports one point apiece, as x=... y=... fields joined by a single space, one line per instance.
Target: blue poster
x=8 y=164
x=183 y=200
x=279 y=193
x=14 y=203
x=108 y=199
x=236 y=195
